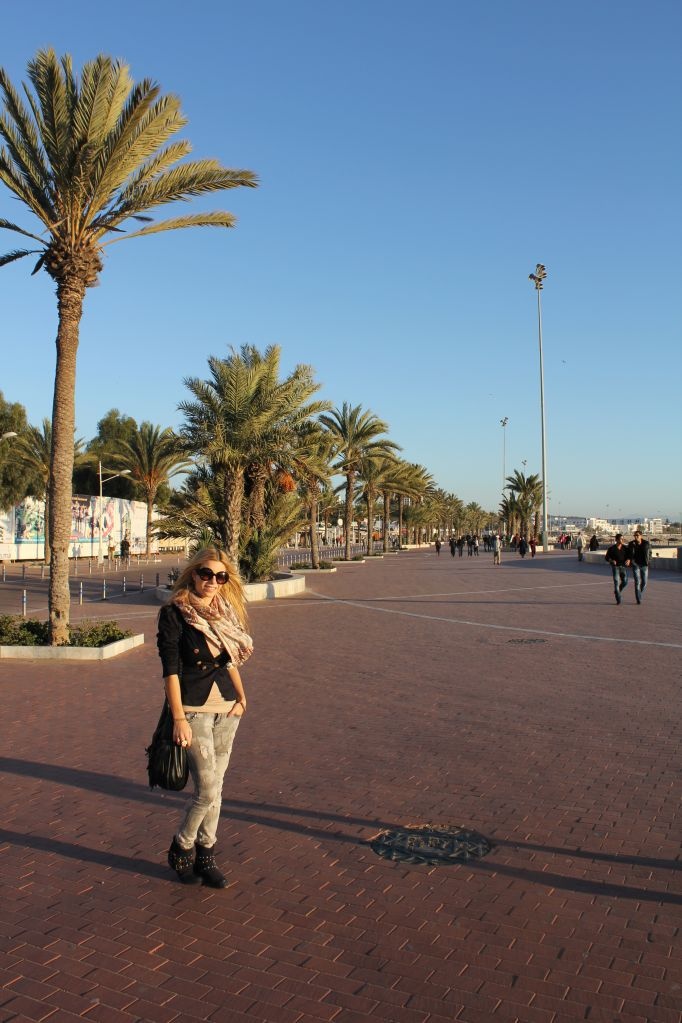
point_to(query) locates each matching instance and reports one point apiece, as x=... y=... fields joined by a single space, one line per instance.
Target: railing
x=297 y=555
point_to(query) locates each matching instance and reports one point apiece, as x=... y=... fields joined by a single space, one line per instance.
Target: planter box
x=71 y=653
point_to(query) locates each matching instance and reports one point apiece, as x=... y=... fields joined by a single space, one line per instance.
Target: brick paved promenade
x=521 y=702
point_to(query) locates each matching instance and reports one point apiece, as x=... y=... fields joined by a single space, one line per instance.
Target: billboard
x=22 y=528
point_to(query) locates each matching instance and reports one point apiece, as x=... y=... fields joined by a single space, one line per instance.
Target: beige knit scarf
x=218 y=621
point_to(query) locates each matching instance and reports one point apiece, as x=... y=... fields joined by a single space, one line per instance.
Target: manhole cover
x=435 y=844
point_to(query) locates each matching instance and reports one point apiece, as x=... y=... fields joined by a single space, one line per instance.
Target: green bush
x=16 y=631
x=358 y=557
x=300 y=564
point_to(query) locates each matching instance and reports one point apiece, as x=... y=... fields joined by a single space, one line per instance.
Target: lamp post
x=125 y=472
x=503 y=424
x=538 y=278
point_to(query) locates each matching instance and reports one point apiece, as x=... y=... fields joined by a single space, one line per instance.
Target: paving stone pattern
x=397 y=692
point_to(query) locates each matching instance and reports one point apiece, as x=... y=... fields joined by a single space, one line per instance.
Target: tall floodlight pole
x=503 y=424
x=537 y=278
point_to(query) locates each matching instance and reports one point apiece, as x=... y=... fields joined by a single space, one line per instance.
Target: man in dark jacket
x=640 y=556
x=618 y=557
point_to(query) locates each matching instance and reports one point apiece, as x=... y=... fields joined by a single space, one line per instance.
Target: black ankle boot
x=180 y=860
x=205 y=867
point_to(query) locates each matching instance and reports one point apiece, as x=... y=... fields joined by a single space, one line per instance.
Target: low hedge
x=17 y=631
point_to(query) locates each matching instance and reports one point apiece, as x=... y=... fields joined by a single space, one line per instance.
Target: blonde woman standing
x=202 y=642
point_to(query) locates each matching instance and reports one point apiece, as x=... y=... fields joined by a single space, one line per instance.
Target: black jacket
x=640 y=553
x=616 y=555
x=184 y=652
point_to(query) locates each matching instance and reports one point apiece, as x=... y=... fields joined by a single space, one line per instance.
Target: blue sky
x=416 y=162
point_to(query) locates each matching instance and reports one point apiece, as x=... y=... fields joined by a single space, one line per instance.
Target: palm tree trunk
x=370 y=517
x=70 y=295
x=348 y=517
x=46 y=552
x=400 y=520
x=150 y=509
x=314 y=538
x=387 y=518
x=234 y=497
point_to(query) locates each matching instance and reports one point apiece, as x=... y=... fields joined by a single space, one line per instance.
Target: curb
x=288 y=586
x=71 y=653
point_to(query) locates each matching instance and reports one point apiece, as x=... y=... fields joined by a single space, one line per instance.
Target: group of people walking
x=636 y=555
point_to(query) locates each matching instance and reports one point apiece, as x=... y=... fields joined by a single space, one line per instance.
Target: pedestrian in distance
x=533 y=546
x=579 y=544
x=476 y=546
x=438 y=547
x=640 y=559
x=497 y=551
x=202 y=641
x=618 y=557
x=453 y=546
x=594 y=543
x=523 y=546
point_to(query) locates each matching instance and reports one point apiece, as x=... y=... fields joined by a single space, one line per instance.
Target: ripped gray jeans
x=208 y=757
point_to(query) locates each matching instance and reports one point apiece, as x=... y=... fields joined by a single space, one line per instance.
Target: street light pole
x=125 y=472
x=537 y=278
x=503 y=424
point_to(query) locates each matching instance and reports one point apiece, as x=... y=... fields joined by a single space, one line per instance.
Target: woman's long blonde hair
x=232 y=591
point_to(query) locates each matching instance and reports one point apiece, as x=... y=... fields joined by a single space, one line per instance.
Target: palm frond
x=10 y=257
x=215 y=219
x=9 y=226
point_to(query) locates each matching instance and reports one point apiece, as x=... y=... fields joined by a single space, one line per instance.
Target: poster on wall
x=94 y=529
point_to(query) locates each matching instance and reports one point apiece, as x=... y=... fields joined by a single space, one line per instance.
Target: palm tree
x=312 y=466
x=33 y=452
x=375 y=474
x=355 y=435
x=85 y=156
x=414 y=484
x=243 y=424
x=475 y=517
x=528 y=493
x=153 y=456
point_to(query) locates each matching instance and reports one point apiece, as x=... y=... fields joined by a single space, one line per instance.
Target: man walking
x=640 y=557
x=579 y=544
x=497 y=550
x=618 y=557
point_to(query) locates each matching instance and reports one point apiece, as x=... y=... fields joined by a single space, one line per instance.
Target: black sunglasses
x=207 y=574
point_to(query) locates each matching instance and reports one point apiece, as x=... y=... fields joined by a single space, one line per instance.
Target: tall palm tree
x=311 y=460
x=528 y=493
x=355 y=434
x=414 y=485
x=33 y=452
x=375 y=475
x=475 y=517
x=242 y=423
x=85 y=156
x=153 y=455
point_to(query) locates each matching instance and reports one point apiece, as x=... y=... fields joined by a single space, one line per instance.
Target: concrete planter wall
x=71 y=653
x=284 y=585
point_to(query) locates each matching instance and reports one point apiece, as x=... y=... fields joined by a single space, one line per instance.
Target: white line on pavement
x=502 y=628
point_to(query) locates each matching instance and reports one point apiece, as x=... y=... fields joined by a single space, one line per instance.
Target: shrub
x=16 y=631
x=300 y=564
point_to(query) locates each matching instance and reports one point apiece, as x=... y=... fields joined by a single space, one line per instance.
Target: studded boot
x=205 y=867
x=180 y=860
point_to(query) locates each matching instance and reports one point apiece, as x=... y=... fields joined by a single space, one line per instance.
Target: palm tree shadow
x=293 y=819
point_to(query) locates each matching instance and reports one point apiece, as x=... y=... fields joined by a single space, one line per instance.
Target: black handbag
x=167 y=764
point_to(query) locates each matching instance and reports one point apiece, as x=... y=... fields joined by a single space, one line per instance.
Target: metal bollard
x=23 y=604
x=89 y=566
x=158 y=579
x=141 y=583
x=80 y=593
x=124 y=585
x=42 y=571
x=3 y=572
x=104 y=589
x=23 y=571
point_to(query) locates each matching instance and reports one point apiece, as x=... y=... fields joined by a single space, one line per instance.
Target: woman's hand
x=182 y=733
x=239 y=708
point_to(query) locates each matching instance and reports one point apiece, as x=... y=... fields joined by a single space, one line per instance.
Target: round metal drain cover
x=435 y=844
